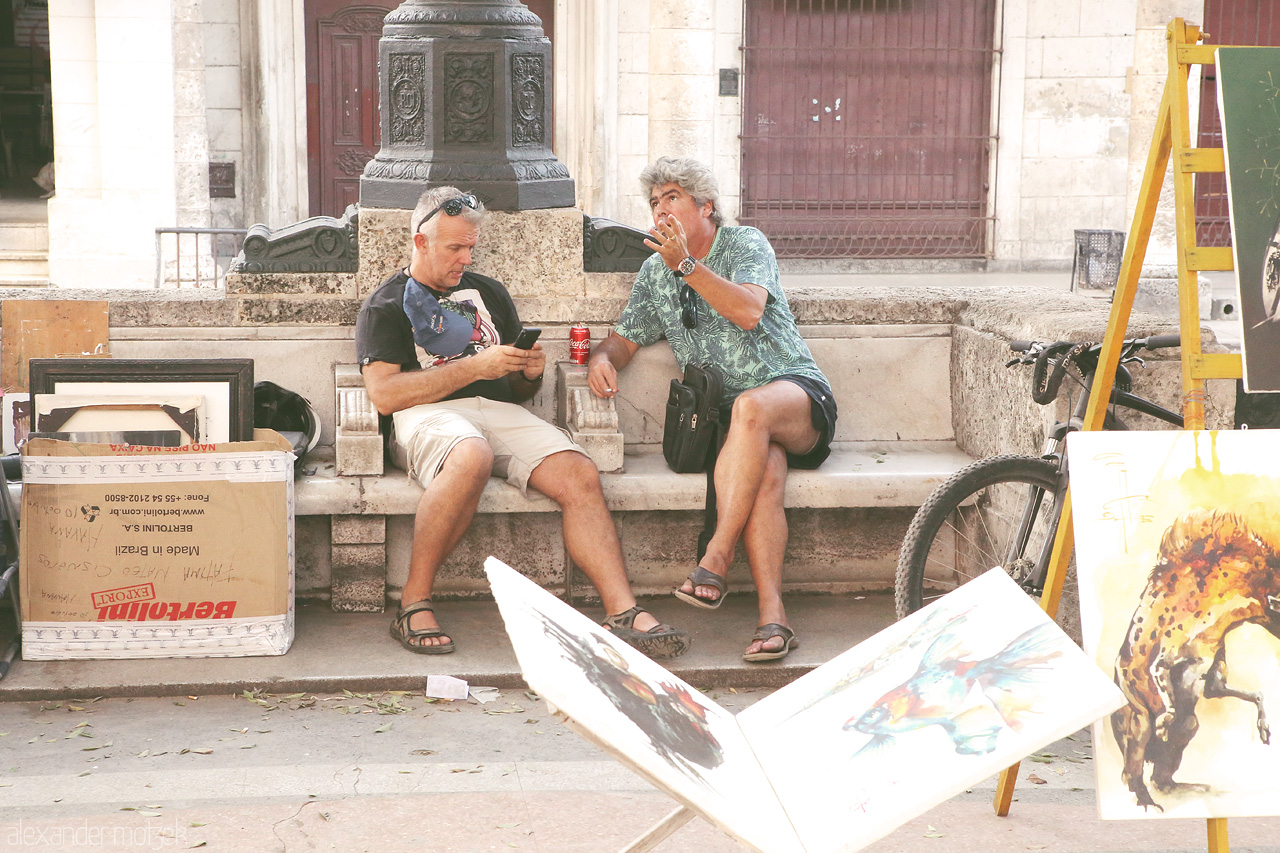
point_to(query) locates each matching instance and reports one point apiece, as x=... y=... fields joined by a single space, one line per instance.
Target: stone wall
x=1064 y=106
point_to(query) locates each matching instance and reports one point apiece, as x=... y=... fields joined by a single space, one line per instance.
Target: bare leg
x=444 y=514
x=765 y=537
x=777 y=413
x=571 y=480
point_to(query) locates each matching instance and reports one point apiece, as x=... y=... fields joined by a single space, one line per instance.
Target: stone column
x=272 y=90
x=682 y=78
x=587 y=130
x=114 y=161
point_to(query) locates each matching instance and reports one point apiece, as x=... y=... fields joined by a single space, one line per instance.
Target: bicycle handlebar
x=1051 y=360
x=1162 y=341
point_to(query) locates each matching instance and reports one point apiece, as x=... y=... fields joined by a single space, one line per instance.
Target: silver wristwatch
x=685 y=267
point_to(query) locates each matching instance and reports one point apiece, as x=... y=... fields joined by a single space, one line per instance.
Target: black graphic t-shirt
x=385 y=333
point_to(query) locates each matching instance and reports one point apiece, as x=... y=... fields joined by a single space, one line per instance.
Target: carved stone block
x=318 y=244
x=357 y=440
x=590 y=420
x=609 y=246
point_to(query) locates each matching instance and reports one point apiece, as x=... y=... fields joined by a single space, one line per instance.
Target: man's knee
x=577 y=477
x=470 y=458
x=750 y=410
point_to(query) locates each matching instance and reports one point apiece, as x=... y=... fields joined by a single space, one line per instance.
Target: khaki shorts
x=422 y=437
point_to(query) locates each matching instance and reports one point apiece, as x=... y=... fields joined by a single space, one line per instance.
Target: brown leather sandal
x=703 y=577
x=408 y=637
x=660 y=641
x=767 y=632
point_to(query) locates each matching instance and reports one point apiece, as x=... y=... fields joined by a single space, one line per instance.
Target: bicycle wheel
x=971 y=523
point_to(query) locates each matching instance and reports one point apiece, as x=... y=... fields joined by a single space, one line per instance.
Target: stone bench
x=887 y=459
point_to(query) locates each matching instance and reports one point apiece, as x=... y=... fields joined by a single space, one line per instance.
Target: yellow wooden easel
x=1172 y=138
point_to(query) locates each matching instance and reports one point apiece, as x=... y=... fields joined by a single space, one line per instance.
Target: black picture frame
x=236 y=373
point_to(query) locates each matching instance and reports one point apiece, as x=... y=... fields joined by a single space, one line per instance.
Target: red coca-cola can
x=579 y=343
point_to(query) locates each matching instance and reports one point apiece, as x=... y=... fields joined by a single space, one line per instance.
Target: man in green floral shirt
x=712 y=292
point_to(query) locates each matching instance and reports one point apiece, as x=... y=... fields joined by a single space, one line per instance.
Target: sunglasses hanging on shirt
x=688 y=307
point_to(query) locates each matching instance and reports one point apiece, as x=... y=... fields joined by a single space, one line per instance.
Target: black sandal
x=703 y=577
x=767 y=632
x=660 y=641
x=408 y=636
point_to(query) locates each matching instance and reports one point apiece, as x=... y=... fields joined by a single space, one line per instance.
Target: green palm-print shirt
x=748 y=358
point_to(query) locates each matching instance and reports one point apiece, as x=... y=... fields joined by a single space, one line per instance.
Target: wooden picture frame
x=167 y=375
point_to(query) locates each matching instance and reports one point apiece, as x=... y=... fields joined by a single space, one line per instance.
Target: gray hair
x=692 y=176
x=433 y=198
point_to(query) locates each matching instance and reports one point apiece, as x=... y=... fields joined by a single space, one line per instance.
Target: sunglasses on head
x=452 y=207
x=688 y=308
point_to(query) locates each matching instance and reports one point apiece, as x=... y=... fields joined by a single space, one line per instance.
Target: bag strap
x=709 y=512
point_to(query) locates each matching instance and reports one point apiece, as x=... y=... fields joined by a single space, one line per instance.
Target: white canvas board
x=926 y=708
x=215 y=425
x=119 y=413
x=659 y=725
x=1173 y=531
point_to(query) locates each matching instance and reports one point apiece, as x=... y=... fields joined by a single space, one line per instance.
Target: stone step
x=24 y=237
x=23 y=267
x=34 y=282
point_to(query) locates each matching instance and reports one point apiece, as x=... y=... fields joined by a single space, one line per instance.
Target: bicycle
x=1004 y=510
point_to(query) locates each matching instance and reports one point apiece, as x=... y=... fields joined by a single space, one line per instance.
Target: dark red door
x=1233 y=22
x=867 y=126
x=342 y=97
x=343 y=130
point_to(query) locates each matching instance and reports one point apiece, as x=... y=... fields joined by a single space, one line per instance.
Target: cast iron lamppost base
x=466 y=100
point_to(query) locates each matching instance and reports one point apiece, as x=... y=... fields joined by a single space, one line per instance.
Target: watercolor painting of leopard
x=1214 y=573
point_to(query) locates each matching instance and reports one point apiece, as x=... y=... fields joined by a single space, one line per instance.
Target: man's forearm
x=399 y=391
x=740 y=304
x=614 y=350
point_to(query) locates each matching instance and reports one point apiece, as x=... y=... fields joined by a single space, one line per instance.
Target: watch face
x=686 y=266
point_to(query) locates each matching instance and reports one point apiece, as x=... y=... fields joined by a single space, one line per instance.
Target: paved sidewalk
x=386 y=772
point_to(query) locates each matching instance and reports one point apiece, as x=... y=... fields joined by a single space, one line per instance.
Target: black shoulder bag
x=693 y=415
x=692 y=435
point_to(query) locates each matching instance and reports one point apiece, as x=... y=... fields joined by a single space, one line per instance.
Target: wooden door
x=342 y=97
x=867 y=127
x=1233 y=22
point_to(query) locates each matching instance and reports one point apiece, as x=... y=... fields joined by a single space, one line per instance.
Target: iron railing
x=195 y=257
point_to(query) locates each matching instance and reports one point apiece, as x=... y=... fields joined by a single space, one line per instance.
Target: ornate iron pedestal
x=466 y=100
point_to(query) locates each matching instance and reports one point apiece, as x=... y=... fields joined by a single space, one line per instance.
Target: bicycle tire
x=980 y=505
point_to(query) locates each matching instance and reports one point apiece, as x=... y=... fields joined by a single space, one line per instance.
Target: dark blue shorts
x=822 y=413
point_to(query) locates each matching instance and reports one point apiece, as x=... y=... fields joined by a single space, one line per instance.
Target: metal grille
x=1232 y=22
x=867 y=126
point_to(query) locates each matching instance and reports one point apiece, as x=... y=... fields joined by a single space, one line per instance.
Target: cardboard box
x=132 y=552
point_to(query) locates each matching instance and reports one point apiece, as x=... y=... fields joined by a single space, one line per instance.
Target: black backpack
x=288 y=413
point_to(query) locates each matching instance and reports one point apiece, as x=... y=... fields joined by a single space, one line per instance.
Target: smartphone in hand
x=527 y=337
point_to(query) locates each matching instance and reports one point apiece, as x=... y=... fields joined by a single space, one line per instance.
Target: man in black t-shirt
x=434 y=345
